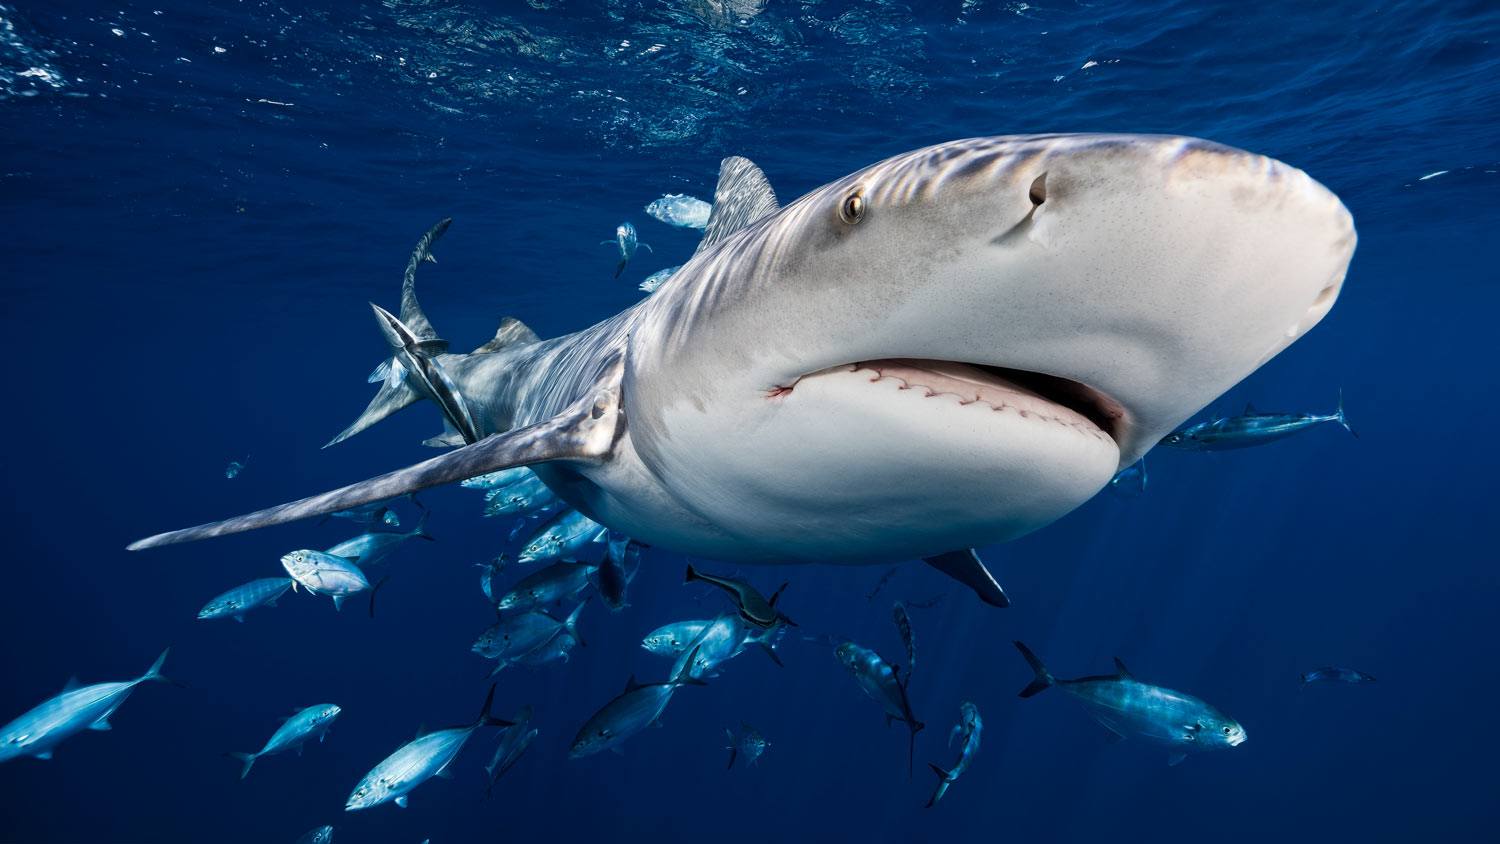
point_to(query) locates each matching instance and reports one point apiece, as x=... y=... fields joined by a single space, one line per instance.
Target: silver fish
x=46 y=725
x=1334 y=674
x=376 y=512
x=242 y=599
x=1131 y=480
x=314 y=721
x=322 y=573
x=514 y=740
x=559 y=646
x=636 y=708
x=627 y=241
x=416 y=762
x=1250 y=428
x=1128 y=707
x=495 y=480
x=526 y=495
x=235 y=467
x=675 y=209
x=967 y=732
x=654 y=281
x=561 y=537
x=883 y=683
x=557 y=582
x=749 y=744
x=372 y=548
x=515 y=637
x=321 y=835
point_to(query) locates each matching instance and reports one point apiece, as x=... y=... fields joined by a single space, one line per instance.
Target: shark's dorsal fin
x=742 y=197
x=1120 y=669
x=966 y=567
x=512 y=332
x=584 y=432
x=411 y=309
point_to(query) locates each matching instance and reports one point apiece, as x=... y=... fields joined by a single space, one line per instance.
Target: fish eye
x=1228 y=730
x=852 y=209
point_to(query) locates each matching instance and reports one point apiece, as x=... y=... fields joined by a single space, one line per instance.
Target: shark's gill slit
x=1038 y=192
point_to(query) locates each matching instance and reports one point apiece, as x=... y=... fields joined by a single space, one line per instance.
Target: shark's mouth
x=1032 y=395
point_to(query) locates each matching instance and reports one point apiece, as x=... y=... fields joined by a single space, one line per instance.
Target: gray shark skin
x=948 y=349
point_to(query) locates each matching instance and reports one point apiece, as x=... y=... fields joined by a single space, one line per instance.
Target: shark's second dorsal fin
x=586 y=431
x=512 y=332
x=742 y=197
x=411 y=310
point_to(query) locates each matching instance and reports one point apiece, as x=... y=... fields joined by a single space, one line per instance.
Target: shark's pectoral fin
x=584 y=432
x=395 y=394
x=965 y=567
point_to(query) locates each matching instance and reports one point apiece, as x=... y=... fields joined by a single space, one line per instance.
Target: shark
x=945 y=350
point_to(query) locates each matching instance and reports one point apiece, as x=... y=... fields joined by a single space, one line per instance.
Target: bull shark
x=947 y=349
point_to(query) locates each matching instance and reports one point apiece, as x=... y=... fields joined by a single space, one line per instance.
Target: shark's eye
x=852 y=210
x=1038 y=192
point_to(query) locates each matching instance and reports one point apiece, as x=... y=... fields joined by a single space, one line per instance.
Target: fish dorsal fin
x=421 y=731
x=512 y=332
x=1120 y=669
x=71 y=684
x=742 y=197
x=411 y=309
x=585 y=432
x=631 y=684
x=1250 y=409
x=966 y=567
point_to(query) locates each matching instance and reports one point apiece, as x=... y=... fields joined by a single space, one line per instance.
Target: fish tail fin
x=911 y=754
x=684 y=674
x=421 y=530
x=488 y=720
x=246 y=759
x=1043 y=679
x=374 y=592
x=944 y=779
x=1342 y=419
x=571 y=625
x=733 y=748
x=154 y=672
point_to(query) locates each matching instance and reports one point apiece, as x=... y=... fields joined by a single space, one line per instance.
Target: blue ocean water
x=197 y=200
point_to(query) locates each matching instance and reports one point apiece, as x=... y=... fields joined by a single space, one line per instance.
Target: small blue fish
x=967 y=731
x=1131 y=480
x=749 y=744
x=235 y=467
x=314 y=721
x=557 y=582
x=377 y=512
x=654 y=281
x=513 y=743
x=38 y=732
x=416 y=762
x=321 y=835
x=526 y=495
x=242 y=599
x=626 y=240
x=1334 y=674
x=1250 y=428
x=373 y=547
x=681 y=210
x=632 y=710
x=883 y=683
x=561 y=537
x=1128 y=707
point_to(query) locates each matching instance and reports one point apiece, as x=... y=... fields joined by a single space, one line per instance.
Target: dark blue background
x=184 y=281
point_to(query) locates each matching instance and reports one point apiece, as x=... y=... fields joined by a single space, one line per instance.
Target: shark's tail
x=1338 y=415
x=246 y=759
x=1044 y=678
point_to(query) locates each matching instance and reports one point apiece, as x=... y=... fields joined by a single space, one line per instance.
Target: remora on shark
x=950 y=348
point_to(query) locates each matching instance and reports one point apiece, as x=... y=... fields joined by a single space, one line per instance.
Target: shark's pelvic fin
x=743 y=196
x=966 y=568
x=585 y=432
x=411 y=309
x=512 y=332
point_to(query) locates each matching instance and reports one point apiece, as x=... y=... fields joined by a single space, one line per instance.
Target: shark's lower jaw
x=1034 y=396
